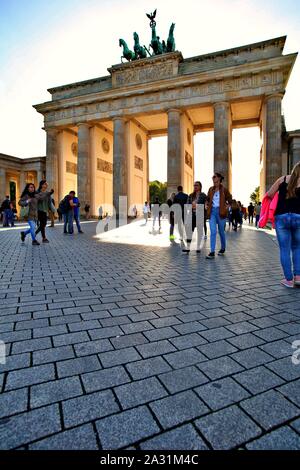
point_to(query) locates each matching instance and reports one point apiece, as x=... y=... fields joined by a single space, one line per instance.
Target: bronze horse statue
x=127 y=53
x=156 y=45
x=140 y=51
x=171 y=40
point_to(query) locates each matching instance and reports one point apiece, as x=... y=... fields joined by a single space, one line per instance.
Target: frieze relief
x=274 y=79
x=143 y=74
x=103 y=165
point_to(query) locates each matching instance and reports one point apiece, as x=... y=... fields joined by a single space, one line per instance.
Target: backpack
x=64 y=205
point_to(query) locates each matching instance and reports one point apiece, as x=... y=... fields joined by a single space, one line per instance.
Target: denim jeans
x=288 y=235
x=214 y=221
x=68 y=221
x=31 y=229
x=77 y=221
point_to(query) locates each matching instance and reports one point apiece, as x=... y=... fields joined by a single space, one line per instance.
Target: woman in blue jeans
x=287 y=225
x=30 y=199
x=218 y=200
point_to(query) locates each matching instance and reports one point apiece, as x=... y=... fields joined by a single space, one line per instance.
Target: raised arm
x=274 y=188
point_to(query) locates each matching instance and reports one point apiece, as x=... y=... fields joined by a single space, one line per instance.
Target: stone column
x=175 y=164
x=52 y=160
x=222 y=141
x=120 y=162
x=84 y=166
x=294 y=151
x=2 y=184
x=273 y=130
x=22 y=183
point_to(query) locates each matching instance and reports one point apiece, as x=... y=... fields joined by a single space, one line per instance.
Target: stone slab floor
x=115 y=346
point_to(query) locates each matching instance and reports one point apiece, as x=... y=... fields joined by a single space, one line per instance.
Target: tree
x=255 y=196
x=158 y=189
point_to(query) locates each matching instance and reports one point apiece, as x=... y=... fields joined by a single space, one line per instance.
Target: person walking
x=250 y=213
x=29 y=201
x=135 y=212
x=257 y=210
x=287 y=224
x=235 y=214
x=44 y=205
x=76 y=212
x=5 y=208
x=86 y=210
x=170 y=202
x=181 y=198
x=195 y=198
x=156 y=214
x=146 y=210
x=218 y=199
x=100 y=212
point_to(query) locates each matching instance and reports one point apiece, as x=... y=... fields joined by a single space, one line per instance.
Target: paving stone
x=252 y=358
x=81 y=438
x=217 y=349
x=14 y=336
x=106 y=378
x=216 y=334
x=221 y=393
x=242 y=328
x=280 y=439
x=258 y=380
x=64 y=320
x=92 y=347
x=49 y=331
x=140 y=392
x=285 y=368
x=176 y=409
x=13 y=402
x=228 y=428
x=277 y=349
x=296 y=425
x=215 y=322
x=54 y=391
x=26 y=427
x=89 y=408
x=270 y=409
x=148 y=367
x=102 y=333
x=84 y=325
x=160 y=333
x=182 y=379
x=188 y=341
x=271 y=334
x=246 y=341
x=129 y=328
x=1 y=382
x=113 y=321
x=220 y=367
x=70 y=338
x=77 y=366
x=189 y=317
x=18 y=361
x=30 y=376
x=29 y=324
x=291 y=391
x=184 y=358
x=126 y=341
x=121 y=356
x=155 y=348
x=191 y=327
x=126 y=428
x=52 y=355
x=182 y=438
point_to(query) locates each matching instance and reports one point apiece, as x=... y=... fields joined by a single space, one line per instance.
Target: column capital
x=273 y=95
x=51 y=131
x=83 y=124
x=174 y=110
x=221 y=103
x=120 y=118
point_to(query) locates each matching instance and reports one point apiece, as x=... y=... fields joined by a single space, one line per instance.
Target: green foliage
x=255 y=196
x=158 y=189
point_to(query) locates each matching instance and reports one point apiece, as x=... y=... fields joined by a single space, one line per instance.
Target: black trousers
x=42 y=220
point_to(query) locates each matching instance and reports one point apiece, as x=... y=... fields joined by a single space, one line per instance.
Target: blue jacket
x=76 y=209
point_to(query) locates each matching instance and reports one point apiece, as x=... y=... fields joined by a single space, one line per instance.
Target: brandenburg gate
x=98 y=130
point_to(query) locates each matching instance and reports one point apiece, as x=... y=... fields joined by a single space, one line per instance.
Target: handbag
x=24 y=212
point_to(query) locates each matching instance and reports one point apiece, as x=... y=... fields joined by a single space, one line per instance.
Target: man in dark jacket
x=5 y=209
x=181 y=198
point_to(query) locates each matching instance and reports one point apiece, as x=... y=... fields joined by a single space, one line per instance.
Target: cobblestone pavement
x=114 y=346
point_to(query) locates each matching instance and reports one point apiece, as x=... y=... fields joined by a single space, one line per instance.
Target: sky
x=54 y=42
